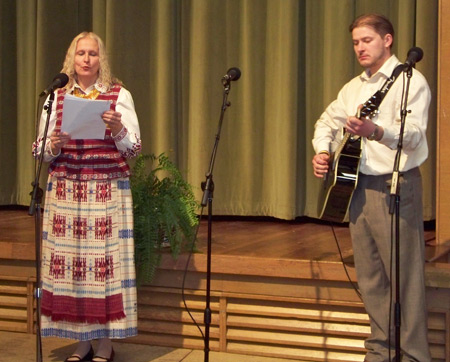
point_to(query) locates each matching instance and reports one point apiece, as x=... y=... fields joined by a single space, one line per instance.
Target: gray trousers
x=370 y=227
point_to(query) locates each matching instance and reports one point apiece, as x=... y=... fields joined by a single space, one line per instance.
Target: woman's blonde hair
x=104 y=73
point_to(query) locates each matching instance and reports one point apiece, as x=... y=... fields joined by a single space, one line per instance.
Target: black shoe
x=104 y=359
x=86 y=358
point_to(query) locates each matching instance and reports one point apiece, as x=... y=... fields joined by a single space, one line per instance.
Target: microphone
x=415 y=55
x=232 y=74
x=58 y=82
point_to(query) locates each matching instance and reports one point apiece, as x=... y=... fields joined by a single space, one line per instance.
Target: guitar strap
x=381 y=93
x=370 y=107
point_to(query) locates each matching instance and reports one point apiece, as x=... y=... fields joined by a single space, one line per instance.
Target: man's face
x=370 y=48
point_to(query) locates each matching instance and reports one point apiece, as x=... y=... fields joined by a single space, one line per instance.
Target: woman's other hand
x=113 y=121
x=58 y=140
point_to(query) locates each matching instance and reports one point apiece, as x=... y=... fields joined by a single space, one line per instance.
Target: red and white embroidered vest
x=89 y=159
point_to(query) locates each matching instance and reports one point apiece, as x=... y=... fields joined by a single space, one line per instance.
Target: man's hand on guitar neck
x=364 y=127
x=320 y=163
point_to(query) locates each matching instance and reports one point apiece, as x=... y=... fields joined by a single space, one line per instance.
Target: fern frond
x=164 y=207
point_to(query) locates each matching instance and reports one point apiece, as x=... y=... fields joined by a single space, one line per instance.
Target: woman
x=88 y=271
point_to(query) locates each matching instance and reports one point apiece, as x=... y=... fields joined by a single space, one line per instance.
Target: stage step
x=238 y=327
x=272 y=316
x=17 y=305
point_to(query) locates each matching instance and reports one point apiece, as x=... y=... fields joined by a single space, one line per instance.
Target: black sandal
x=86 y=358
x=98 y=358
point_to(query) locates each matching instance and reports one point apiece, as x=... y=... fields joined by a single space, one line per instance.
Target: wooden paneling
x=443 y=146
x=16 y=304
x=279 y=313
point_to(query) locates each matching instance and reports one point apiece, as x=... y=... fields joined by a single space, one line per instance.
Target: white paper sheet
x=82 y=118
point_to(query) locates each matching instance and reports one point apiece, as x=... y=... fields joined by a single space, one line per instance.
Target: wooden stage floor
x=278 y=290
x=300 y=239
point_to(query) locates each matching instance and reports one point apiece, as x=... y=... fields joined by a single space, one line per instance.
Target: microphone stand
x=208 y=189
x=394 y=209
x=35 y=209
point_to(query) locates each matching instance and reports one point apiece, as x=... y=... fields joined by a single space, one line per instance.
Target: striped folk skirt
x=88 y=269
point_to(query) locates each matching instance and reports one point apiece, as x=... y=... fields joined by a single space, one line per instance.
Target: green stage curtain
x=294 y=56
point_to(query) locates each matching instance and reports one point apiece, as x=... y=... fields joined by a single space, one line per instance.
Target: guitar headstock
x=370 y=107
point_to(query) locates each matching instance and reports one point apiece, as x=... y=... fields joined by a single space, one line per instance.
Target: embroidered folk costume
x=88 y=271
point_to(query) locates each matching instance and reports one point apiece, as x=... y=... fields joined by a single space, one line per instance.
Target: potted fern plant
x=164 y=212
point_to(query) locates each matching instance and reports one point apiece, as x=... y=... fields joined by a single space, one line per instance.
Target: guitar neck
x=342 y=145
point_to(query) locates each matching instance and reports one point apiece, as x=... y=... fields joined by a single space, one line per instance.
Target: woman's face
x=87 y=62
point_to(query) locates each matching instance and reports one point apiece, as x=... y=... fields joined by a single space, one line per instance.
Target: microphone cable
x=343 y=262
x=391 y=268
x=183 y=285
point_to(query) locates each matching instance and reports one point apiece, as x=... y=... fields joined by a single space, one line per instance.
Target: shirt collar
x=386 y=69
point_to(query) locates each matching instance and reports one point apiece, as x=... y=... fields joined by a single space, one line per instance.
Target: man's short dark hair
x=378 y=22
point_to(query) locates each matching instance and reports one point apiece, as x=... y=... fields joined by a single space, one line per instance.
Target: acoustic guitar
x=342 y=177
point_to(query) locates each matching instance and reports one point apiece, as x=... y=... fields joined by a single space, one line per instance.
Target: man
x=370 y=220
